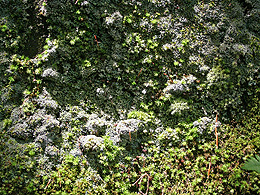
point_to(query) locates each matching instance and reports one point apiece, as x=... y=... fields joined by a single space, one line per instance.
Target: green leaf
x=129 y=20
x=253 y=164
x=154 y=21
x=31 y=153
x=176 y=63
x=11 y=79
x=147 y=14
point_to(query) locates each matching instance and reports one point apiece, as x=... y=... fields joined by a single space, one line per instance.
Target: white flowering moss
x=178 y=107
x=90 y=142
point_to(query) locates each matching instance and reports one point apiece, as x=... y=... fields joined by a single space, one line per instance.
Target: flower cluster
x=178 y=106
x=179 y=86
x=50 y=73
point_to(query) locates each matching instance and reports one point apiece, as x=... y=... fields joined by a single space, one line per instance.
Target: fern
x=253 y=164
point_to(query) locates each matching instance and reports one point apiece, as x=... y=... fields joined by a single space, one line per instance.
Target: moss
x=159 y=77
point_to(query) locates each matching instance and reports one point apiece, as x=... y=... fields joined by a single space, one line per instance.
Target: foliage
x=128 y=97
x=179 y=162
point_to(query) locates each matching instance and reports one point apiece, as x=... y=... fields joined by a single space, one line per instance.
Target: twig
x=25 y=100
x=216 y=132
x=140 y=179
x=96 y=39
x=76 y=2
x=171 y=81
x=209 y=169
x=138 y=74
x=48 y=183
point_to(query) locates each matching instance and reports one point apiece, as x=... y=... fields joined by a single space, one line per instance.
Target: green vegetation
x=129 y=97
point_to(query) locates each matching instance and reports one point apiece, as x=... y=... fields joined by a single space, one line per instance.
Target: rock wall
x=131 y=70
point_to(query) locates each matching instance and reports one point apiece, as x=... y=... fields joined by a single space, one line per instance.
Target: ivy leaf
x=11 y=79
x=253 y=164
x=154 y=21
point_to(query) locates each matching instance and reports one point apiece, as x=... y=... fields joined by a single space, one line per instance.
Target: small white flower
x=100 y=91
